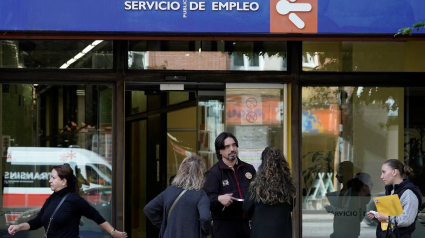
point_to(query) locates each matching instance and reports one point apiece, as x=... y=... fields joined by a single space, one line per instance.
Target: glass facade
x=347 y=134
x=345 y=130
x=43 y=125
x=363 y=56
x=56 y=54
x=207 y=55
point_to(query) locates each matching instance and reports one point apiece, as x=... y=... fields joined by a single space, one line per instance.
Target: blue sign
x=211 y=16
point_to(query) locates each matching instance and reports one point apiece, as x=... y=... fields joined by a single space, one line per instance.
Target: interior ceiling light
x=81 y=92
x=81 y=54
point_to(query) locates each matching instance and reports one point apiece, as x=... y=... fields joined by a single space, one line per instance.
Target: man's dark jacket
x=220 y=180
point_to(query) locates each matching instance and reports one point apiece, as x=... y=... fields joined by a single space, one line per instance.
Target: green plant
x=414 y=152
x=322 y=161
x=408 y=30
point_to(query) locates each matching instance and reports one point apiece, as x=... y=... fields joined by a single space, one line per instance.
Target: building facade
x=123 y=91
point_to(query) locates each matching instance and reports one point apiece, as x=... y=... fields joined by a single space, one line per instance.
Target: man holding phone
x=226 y=185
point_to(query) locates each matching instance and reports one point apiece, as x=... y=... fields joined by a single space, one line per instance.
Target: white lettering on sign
x=27 y=175
x=192 y=6
x=184 y=8
x=197 y=6
x=238 y=6
x=155 y=5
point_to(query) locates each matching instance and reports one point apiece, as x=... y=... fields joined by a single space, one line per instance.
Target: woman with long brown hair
x=183 y=209
x=269 y=201
x=62 y=211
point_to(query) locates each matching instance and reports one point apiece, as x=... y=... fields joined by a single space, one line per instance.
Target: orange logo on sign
x=293 y=16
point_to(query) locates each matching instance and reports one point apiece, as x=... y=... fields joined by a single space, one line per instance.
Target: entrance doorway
x=164 y=127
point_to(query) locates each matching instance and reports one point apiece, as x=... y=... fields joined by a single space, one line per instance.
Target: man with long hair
x=226 y=185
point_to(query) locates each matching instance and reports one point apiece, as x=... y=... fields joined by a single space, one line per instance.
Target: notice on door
x=252 y=110
x=252 y=141
x=252 y=137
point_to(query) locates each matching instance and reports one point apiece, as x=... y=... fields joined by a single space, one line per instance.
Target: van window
x=94 y=177
x=104 y=169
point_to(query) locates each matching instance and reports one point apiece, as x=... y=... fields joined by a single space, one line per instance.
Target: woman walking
x=392 y=173
x=269 y=201
x=62 y=211
x=183 y=209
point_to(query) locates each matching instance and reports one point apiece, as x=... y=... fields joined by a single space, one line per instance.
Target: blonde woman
x=269 y=200
x=190 y=208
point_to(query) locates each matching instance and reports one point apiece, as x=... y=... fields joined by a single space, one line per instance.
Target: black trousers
x=231 y=229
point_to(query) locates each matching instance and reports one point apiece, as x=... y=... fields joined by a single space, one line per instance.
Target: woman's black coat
x=271 y=221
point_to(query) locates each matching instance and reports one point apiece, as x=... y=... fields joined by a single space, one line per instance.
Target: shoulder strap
x=59 y=205
x=174 y=203
x=393 y=229
x=51 y=217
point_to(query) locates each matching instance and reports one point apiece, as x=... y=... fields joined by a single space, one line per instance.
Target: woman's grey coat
x=190 y=214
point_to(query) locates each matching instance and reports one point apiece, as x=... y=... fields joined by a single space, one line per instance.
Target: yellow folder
x=389 y=206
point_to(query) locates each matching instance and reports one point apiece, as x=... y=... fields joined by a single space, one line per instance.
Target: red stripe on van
x=24 y=200
x=14 y=200
x=36 y=200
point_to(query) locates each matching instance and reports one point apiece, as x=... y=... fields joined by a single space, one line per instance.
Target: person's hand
x=225 y=199
x=119 y=234
x=13 y=229
x=381 y=217
x=370 y=215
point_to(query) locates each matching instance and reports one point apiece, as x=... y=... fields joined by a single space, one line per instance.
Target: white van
x=27 y=174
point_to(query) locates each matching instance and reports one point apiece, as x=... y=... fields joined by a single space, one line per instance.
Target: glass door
x=181 y=138
x=210 y=116
x=138 y=182
x=255 y=115
x=164 y=127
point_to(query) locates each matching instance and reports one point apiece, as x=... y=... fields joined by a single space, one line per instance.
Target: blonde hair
x=191 y=173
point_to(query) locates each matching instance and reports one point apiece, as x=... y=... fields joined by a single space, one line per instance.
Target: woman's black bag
x=392 y=233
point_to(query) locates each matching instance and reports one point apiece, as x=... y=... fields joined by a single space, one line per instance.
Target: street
x=321 y=226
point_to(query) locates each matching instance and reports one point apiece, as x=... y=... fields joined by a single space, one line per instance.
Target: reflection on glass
x=47 y=125
x=255 y=117
x=210 y=125
x=181 y=137
x=139 y=102
x=63 y=54
x=364 y=56
x=347 y=133
x=137 y=195
x=177 y=97
x=207 y=55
